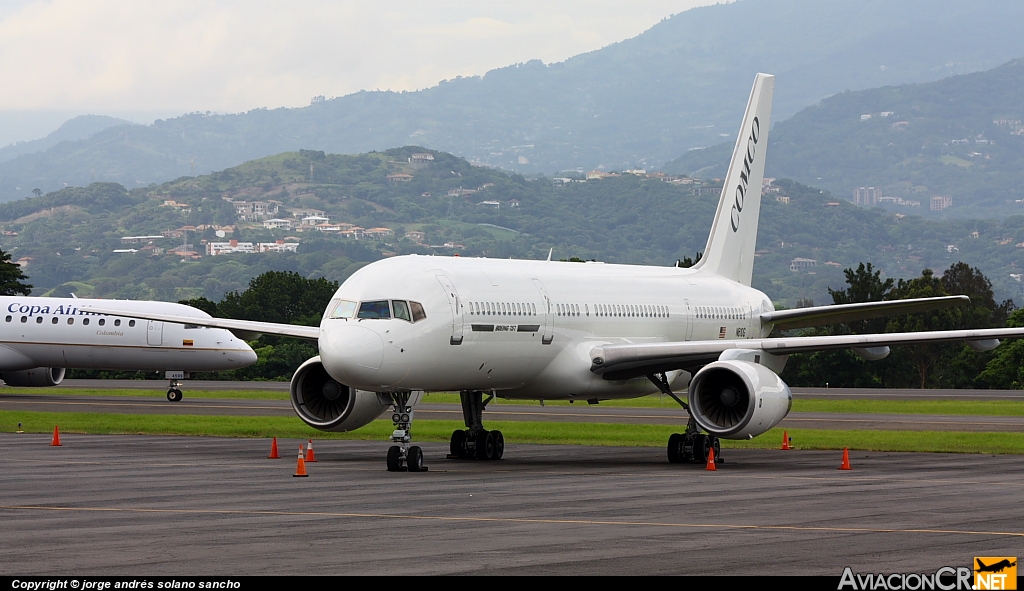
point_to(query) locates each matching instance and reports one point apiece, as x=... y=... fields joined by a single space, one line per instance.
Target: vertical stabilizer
x=730 y=249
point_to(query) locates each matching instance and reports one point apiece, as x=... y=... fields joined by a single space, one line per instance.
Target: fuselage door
x=155 y=333
x=689 y=319
x=455 y=302
x=545 y=310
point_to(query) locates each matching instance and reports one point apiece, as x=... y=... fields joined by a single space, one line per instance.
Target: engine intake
x=37 y=377
x=328 y=405
x=735 y=399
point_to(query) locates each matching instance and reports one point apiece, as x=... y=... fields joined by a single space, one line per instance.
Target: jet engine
x=735 y=399
x=37 y=377
x=328 y=405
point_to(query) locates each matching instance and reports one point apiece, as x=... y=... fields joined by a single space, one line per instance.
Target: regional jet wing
x=617 y=362
x=246 y=329
x=826 y=315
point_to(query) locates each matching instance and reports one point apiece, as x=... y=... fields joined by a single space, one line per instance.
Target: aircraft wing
x=250 y=329
x=616 y=362
x=826 y=315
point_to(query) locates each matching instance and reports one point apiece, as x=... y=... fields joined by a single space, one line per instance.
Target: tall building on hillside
x=940 y=202
x=866 y=196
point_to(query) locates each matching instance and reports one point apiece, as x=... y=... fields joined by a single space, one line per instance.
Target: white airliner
x=546 y=330
x=42 y=337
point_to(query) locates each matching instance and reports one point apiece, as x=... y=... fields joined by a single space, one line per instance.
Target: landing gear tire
x=457 y=447
x=499 y=444
x=485 y=446
x=395 y=459
x=716 y=445
x=174 y=395
x=414 y=459
x=675 y=449
x=701 y=447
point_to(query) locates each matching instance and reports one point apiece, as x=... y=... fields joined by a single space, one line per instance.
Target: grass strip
x=514 y=431
x=990 y=408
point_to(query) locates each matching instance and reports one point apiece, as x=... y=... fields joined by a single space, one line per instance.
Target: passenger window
x=375 y=310
x=401 y=310
x=39 y=319
x=344 y=309
x=71 y=320
x=85 y=321
x=24 y=319
x=53 y=321
x=9 y=319
x=417 y=311
x=116 y=322
x=104 y=321
x=130 y=323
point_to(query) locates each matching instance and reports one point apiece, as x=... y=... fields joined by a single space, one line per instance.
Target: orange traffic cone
x=310 y=456
x=846 y=460
x=56 y=437
x=785 y=441
x=300 y=469
x=273 y=450
x=711 y=460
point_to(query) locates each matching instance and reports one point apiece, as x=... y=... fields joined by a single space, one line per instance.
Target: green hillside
x=962 y=137
x=68 y=238
x=640 y=102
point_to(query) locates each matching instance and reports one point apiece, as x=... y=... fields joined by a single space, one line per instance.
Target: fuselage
x=59 y=332
x=522 y=329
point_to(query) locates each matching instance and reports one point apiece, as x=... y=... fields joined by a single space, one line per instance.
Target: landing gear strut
x=691 y=446
x=173 y=392
x=404 y=456
x=475 y=442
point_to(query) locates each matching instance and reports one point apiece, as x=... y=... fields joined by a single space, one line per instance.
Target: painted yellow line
x=523 y=520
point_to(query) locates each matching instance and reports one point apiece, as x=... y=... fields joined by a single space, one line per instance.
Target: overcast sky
x=230 y=56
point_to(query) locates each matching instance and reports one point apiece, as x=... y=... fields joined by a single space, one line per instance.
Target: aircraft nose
x=353 y=353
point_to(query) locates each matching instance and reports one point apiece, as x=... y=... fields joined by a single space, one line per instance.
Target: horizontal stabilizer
x=245 y=329
x=840 y=313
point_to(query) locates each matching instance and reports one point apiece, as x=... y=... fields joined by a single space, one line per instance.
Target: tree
x=1006 y=368
x=12 y=279
x=280 y=296
x=924 y=358
x=686 y=262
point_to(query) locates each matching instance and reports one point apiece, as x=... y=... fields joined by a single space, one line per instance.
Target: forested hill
x=637 y=103
x=962 y=137
x=434 y=203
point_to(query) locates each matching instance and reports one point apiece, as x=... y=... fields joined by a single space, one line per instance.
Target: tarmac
x=148 y=505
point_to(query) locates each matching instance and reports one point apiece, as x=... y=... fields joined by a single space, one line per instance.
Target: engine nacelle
x=325 y=404
x=37 y=377
x=735 y=399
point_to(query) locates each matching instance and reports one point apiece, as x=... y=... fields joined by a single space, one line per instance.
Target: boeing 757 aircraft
x=546 y=330
x=41 y=337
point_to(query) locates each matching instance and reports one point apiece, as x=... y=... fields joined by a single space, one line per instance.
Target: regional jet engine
x=325 y=404
x=36 y=377
x=735 y=399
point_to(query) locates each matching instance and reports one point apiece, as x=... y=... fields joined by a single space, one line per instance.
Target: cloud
x=231 y=55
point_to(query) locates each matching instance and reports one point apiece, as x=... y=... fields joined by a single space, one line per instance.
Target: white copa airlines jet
x=41 y=337
x=551 y=330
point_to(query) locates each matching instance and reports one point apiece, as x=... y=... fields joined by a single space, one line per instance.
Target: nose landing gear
x=475 y=442
x=403 y=456
x=173 y=392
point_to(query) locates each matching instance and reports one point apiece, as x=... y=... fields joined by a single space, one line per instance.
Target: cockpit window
x=417 y=311
x=346 y=309
x=401 y=310
x=377 y=309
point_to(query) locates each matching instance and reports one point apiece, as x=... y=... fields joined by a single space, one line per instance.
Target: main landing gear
x=691 y=446
x=404 y=456
x=475 y=442
x=173 y=392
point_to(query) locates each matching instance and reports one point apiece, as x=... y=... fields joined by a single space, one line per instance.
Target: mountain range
x=637 y=103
